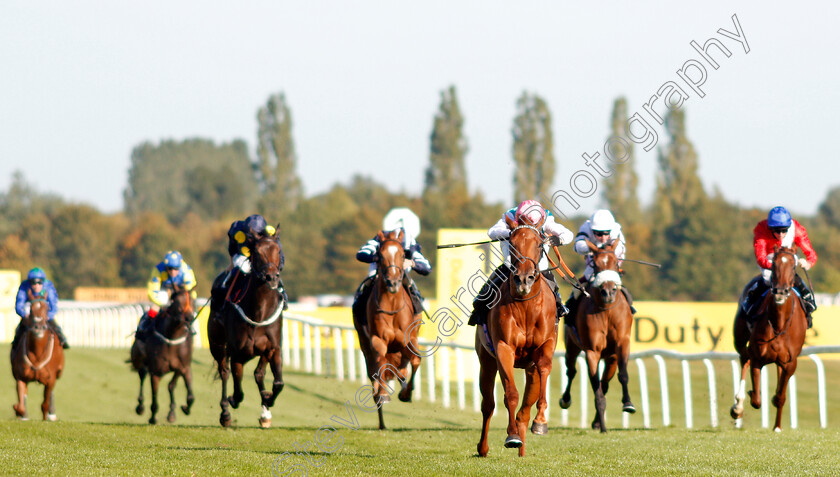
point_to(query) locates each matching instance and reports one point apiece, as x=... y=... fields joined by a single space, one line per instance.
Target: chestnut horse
x=37 y=357
x=777 y=336
x=388 y=330
x=167 y=349
x=247 y=325
x=601 y=328
x=521 y=332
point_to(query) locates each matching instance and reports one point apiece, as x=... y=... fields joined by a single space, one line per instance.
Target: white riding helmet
x=602 y=220
x=402 y=217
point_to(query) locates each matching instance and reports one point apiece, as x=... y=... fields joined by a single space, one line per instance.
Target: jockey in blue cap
x=172 y=271
x=242 y=236
x=36 y=282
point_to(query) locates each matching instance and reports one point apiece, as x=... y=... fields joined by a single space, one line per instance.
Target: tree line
x=184 y=195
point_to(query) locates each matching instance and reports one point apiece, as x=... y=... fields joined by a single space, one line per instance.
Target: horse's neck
x=171 y=326
x=387 y=298
x=779 y=314
x=38 y=346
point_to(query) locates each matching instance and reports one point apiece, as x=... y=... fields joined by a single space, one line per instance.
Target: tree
x=445 y=191
x=85 y=244
x=829 y=210
x=276 y=159
x=620 y=188
x=533 y=149
x=679 y=190
x=176 y=178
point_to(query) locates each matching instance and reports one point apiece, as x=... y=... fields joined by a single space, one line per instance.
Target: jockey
x=780 y=230
x=560 y=236
x=36 y=281
x=396 y=219
x=171 y=271
x=242 y=236
x=601 y=229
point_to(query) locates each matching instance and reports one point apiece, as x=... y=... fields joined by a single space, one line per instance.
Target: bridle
x=381 y=264
x=599 y=277
x=513 y=251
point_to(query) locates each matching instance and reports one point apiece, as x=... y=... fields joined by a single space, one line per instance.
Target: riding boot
x=414 y=293
x=217 y=292
x=360 y=298
x=571 y=305
x=808 y=299
x=629 y=298
x=488 y=296
x=18 y=334
x=753 y=296
x=142 y=327
x=285 y=296
x=561 y=309
x=57 y=329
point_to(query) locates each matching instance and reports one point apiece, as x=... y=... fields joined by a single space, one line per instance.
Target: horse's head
x=390 y=258
x=265 y=259
x=605 y=276
x=180 y=305
x=526 y=241
x=784 y=263
x=36 y=320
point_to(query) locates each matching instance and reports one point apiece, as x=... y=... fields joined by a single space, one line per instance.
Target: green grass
x=99 y=434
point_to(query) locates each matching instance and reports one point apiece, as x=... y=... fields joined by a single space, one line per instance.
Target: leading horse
x=37 y=357
x=247 y=325
x=167 y=349
x=521 y=332
x=777 y=336
x=601 y=328
x=388 y=330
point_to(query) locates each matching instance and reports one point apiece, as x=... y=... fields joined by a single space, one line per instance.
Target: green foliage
x=195 y=175
x=620 y=189
x=533 y=149
x=281 y=188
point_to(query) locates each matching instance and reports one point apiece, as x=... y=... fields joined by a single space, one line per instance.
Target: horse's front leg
x=276 y=363
x=224 y=374
x=20 y=407
x=140 y=408
x=414 y=360
x=737 y=410
x=572 y=351
x=187 y=373
x=236 y=369
x=592 y=359
x=786 y=371
x=171 y=416
x=265 y=396
x=154 y=407
x=505 y=358
x=755 y=394
x=380 y=350
x=624 y=378
x=45 y=406
x=542 y=366
x=487 y=381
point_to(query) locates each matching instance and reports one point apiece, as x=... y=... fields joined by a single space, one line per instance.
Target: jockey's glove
x=241 y=262
x=555 y=241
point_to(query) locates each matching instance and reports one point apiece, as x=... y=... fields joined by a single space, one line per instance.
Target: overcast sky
x=84 y=82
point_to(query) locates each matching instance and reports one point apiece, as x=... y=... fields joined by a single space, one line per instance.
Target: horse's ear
x=775 y=249
x=591 y=245
x=401 y=235
x=381 y=236
x=510 y=222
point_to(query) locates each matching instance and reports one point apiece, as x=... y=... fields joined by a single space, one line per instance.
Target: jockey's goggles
x=779 y=230
x=37 y=281
x=601 y=233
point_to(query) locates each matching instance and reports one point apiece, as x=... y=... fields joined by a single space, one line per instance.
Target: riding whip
x=454 y=245
x=657 y=265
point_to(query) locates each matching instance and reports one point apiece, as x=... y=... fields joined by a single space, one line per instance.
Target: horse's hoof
x=404 y=398
x=513 y=442
x=265 y=423
x=152 y=420
x=23 y=418
x=233 y=402
x=629 y=408
x=186 y=410
x=170 y=418
x=139 y=409
x=539 y=428
x=564 y=404
x=18 y=412
x=596 y=425
x=52 y=417
x=778 y=429
x=224 y=419
x=756 y=404
x=736 y=411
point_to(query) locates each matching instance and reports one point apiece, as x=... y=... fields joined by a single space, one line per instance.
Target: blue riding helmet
x=778 y=217
x=255 y=223
x=36 y=273
x=173 y=259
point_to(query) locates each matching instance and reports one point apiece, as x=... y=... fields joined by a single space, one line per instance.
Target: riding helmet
x=778 y=217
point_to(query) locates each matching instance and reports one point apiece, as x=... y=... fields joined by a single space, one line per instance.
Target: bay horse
x=777 y=336
x=37 y=357
x=167 y=349
x=388 y=330
x=601 y=328
x=247 y=325
x=521 y=332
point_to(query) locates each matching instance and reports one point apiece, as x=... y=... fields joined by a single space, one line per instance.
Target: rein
x=536 y=265
x=258 y=324
x=46 y=360
x=379 y=276
x=784 y=330
x=379 y=308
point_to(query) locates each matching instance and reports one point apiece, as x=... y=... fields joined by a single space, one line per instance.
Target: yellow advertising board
x=111 y=294
x=9 y=284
